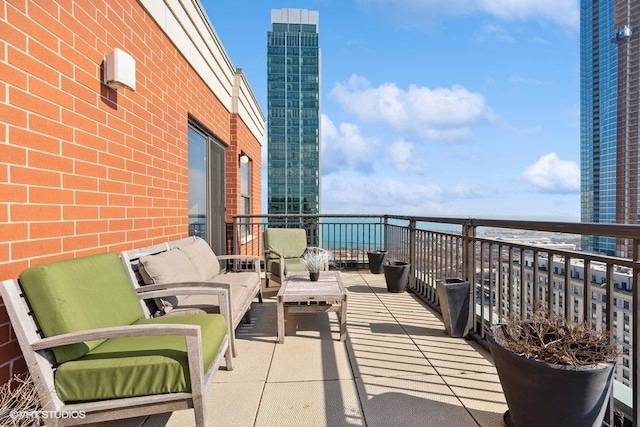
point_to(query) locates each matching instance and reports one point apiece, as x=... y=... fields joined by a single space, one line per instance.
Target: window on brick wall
x=245 y=200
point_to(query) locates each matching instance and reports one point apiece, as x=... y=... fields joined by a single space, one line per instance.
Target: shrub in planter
x=19 y=404
x=552 y=372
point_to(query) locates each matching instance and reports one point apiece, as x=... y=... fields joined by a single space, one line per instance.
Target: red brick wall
x=85 y=168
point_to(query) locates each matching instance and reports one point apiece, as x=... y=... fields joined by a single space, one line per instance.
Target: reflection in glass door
x=198 y=210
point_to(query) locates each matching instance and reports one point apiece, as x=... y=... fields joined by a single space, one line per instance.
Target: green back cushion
x=290 y=242
x=79 y=294
x=140 y=366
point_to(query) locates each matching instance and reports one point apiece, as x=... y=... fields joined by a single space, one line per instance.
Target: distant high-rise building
x=293 y=112
x=609 y=90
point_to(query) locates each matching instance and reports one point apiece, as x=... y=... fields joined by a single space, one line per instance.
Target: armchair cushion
x=79 y=294
x=202 y=258
x=127 y=367
x=289 y=242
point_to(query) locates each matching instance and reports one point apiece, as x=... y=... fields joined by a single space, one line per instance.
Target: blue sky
x=462 y=108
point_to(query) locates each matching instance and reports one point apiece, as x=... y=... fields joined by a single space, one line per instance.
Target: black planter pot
x=453 y=295
x=314 y=276
x=544 y=394
x=376 y=260
x=396 y=275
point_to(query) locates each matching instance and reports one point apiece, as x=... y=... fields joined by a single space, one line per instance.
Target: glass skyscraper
x=293 y=112
x=609 y=118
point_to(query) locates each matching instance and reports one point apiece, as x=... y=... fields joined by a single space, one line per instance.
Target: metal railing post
x=412 y=254
x=635 y=334
x=234 y=227
x=469 y=234
x=386 y=232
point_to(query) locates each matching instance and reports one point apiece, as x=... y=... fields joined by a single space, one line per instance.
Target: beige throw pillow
x=202 y=258
x=171 y=266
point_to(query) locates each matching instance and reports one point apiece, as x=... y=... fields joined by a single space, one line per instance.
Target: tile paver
x=396 y=367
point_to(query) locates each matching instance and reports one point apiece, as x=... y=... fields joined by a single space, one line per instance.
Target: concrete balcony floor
x=397 y=367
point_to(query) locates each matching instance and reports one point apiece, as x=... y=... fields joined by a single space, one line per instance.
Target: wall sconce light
x=244 y=159
x=119 y=70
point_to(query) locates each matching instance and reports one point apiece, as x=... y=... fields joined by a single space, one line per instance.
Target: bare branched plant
x=18 y=398
x=550 y=338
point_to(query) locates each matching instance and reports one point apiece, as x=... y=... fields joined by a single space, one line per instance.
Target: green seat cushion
x=79 y=294
x=139 y=366
x=291 y=264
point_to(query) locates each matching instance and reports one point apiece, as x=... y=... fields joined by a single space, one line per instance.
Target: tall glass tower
x=609 y=69
x=293 y=113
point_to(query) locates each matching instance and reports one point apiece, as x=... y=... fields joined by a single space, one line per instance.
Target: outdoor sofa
x=191 y=262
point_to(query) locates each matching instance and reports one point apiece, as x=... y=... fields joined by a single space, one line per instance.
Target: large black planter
x=453 y=295
x=544 y=394
x=396 y=274
x=376 y=260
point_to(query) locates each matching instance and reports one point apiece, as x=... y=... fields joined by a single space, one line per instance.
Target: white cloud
x=443 y=114
x=565 y=13
x=375 y=194
x=550 y=174
x=401 y=154
x=441 y=6
x=493 y=32
x=357 y=193
x=518 y=79
x=344 y=146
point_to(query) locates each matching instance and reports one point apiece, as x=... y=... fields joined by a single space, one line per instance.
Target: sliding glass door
x=206 y=188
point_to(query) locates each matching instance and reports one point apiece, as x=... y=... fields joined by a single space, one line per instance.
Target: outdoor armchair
x=283 y=251
x=92 y=353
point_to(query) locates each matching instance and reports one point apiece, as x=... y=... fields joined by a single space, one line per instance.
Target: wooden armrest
x=280 y=256
x=179 y=288
x=271 y=251
x=254 y=258
x=115 y=332
x=193 y=288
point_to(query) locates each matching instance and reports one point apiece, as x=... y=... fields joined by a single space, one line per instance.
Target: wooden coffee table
x=298 y=294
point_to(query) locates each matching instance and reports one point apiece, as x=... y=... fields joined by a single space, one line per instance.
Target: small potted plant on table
x=315 y=261
x=553 y=372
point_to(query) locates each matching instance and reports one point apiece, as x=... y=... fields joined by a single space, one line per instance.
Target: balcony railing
x=577 y=285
